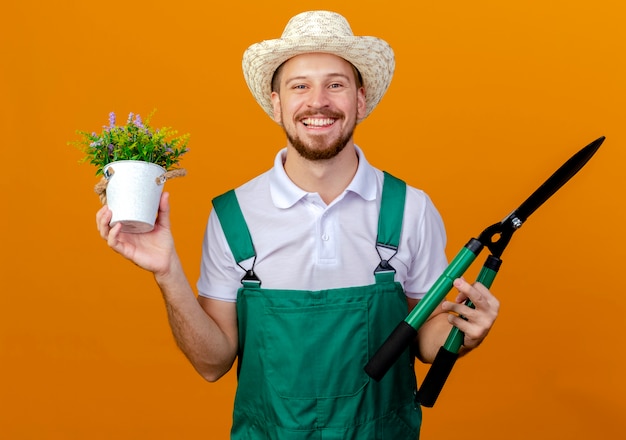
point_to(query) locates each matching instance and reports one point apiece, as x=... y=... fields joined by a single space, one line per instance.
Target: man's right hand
x=153 y=251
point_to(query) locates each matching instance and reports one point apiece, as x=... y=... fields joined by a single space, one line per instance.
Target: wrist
x=170 y=274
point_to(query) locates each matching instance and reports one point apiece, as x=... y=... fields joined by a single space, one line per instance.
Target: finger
x=473 y=333
x=464 y=289
x=459 y=322
x=477 y=293
x=460 y=309
x=103 y=218
x=163 y=218
x=485 y=306
x=113 y=237
x=483 y=299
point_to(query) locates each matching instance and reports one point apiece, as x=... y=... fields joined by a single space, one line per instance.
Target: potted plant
x=135 y=161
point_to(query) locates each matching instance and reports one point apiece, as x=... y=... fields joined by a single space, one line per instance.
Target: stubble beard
x=318 y=149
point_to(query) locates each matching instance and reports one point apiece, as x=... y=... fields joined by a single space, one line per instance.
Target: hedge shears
x=495 y=238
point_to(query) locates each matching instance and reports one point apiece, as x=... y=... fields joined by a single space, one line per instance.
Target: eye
x=336 y=85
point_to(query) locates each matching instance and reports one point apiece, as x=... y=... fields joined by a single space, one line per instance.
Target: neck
x=329 y=178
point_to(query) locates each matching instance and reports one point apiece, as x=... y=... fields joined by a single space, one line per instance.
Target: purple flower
x=138 y=122
x=112 y=119
x=130 y=116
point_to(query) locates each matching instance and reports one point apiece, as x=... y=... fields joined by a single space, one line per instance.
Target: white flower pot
x=133 y=193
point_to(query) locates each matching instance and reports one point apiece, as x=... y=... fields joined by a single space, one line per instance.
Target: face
x=318 y=104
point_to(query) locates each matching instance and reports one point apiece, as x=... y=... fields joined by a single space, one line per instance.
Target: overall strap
x=237 y=233
x=390 y=223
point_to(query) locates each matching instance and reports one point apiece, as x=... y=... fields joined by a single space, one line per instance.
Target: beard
x=319 y=147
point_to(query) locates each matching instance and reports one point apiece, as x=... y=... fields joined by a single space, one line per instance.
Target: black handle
x=436 y=377
x=390 y=351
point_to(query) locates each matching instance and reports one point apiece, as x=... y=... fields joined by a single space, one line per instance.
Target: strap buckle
x=250 y=278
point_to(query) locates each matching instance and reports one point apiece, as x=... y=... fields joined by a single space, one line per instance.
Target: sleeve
x=427 y=242
x=220 y=276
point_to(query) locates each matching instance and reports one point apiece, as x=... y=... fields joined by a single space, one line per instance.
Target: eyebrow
x=328 y=76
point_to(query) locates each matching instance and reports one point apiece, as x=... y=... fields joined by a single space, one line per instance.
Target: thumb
x=163 y=218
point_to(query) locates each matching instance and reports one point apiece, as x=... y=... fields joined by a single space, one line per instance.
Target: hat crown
x=317 y=24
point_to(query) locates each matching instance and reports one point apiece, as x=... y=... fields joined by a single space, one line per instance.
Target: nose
x=318 y=98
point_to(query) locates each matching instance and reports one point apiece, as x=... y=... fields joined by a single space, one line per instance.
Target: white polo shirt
x=302 y=243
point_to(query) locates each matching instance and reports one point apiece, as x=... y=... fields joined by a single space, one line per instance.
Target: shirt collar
x=285 y=193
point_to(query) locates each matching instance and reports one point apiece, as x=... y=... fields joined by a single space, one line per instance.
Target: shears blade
x=557 y=179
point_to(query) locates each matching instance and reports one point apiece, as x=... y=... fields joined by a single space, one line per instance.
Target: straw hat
x=325 y=32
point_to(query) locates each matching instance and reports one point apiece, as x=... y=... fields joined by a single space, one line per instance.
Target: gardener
x=289 y=282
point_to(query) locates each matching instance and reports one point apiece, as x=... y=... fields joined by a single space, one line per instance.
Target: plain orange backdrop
x=488 y=99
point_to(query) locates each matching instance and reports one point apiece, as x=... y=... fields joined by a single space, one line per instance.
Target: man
x=297 y=282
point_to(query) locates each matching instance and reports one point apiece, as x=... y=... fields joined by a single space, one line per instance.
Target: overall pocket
x=317 y=351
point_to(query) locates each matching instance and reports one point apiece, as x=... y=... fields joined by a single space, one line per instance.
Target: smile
x=316 y=122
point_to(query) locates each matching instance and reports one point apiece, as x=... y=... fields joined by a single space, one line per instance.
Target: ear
x=361 y=104
x=276 y=105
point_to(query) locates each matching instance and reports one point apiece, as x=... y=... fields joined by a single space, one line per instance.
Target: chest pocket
x=317 y=351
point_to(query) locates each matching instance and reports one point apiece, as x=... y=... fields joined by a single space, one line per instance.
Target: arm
x=204 y=329
x=432 y=335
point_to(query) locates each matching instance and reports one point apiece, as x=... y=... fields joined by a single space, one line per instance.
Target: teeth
x=318 y=122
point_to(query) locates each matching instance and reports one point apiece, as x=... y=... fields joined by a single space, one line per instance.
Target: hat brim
x=373 y=58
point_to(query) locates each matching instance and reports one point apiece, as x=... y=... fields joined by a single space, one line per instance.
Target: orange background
x=489 y=98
